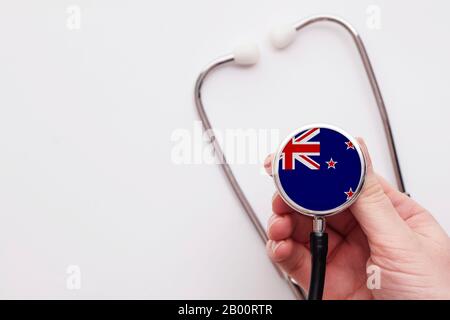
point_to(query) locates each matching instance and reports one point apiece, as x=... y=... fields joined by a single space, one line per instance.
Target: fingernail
x=276 y=245
x=274 y=196
x=271 y=221
x=267 y=162
x=365 y=151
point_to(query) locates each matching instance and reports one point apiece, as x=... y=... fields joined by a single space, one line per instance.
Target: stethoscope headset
x=247 y=55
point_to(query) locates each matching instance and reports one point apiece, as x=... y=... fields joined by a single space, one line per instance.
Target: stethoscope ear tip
x=281 y=37
x=246 y=54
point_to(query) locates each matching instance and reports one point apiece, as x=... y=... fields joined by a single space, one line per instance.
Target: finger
x=280 y=227
x=293 y=258
x=302 y=228
x=299 y=227
x=374 y=210
x=342 y=223
x=392 y=192
x=279 y=206
x=268 y=164
x=406 y=207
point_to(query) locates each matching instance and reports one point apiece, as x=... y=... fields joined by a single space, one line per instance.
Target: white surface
x=86 y=118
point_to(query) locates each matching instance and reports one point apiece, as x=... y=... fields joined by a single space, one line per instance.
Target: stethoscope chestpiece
x=319 y=170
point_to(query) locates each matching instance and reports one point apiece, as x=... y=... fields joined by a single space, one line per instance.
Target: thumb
x=373 y=209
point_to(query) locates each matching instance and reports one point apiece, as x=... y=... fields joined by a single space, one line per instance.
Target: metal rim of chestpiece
x=296 y=206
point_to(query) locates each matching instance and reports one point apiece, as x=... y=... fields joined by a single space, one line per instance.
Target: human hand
x=384 y=227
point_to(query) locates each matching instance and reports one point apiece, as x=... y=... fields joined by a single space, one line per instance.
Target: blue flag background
x=323 y=189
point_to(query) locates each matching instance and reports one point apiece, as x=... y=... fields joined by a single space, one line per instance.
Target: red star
x=350 y=145
x=349 y=193
x=331 y=163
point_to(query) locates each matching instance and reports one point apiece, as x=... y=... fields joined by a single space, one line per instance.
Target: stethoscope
x=247 y=55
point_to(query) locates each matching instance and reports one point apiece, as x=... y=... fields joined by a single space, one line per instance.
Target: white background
x=87 y=116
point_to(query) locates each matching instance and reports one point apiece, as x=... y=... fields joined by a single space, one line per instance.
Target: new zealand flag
x=319 y=169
